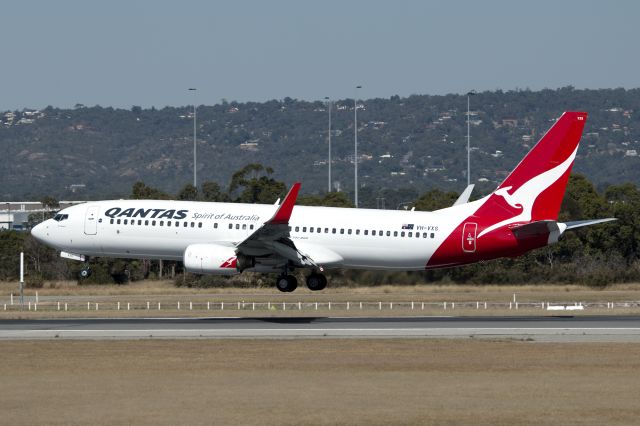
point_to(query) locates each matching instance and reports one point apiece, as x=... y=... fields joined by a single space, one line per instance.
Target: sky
x=148 y=53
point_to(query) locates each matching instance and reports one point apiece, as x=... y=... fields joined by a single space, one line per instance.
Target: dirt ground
x=318 y=382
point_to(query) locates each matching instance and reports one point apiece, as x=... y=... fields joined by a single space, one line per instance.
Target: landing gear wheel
x=316 y=282
x=85 y=272
x=286 y=283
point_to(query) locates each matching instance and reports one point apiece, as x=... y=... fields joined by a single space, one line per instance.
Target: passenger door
x=91 y=220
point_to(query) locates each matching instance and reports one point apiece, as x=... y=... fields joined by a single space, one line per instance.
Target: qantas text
x=150 y=213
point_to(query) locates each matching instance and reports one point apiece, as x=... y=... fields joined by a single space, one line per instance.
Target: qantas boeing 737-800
x=227 y=238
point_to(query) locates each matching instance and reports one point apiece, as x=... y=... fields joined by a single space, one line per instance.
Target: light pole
x=195 y=181
x=329 y=105
x=469 y=94
x=355 y=157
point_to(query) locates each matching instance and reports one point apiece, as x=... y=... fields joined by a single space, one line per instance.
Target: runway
x=541 y=328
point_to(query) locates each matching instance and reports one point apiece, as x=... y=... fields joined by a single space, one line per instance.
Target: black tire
x=85 y=273
x=286 y=283
x=316 y=282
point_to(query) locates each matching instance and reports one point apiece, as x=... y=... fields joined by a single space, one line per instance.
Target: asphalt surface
x=541 y=328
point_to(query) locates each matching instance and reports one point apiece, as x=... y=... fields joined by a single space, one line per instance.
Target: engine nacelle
x=210 y=259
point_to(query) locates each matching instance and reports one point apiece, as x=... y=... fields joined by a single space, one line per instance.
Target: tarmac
x=565 y=328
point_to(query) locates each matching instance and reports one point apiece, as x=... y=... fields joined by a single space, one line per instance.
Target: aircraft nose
x=39 y=232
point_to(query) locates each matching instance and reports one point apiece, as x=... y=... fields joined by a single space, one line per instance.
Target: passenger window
x=231 y=226
x=162 y=223
x=304 y=229
x=111 y=221
x=139 y=221
x=250 y=226
x=237 y=226
x=333 y=231
x=118 y=221
x=168 y=223
x=417 y=235
x=424 y=235
x=146 y=223
x=185 y=224
x=199 y=224
x=326 y=230
x=366 y=232
x=193 y=224
x=153 y=223
x=402 y=234
x=395 y=233
x=215 y=225
x=388 y=233
x=349 y=231
x=381 y=233
x=244 y=226
x=177 y=224
x=297 y=229
x=433 y=235
x=342 y=230
x=311 y=229
x=410 y=234
x=357 y=232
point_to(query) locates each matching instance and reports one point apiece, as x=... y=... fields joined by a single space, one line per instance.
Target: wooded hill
x=407 y=145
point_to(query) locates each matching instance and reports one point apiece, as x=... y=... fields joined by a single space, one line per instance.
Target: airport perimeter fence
x=242 y=306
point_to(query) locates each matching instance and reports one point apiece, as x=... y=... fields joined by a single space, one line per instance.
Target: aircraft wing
x=273 y=238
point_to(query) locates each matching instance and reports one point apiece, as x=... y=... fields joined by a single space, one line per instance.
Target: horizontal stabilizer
x=464 y=197
x=581 y=223
x=539 y=227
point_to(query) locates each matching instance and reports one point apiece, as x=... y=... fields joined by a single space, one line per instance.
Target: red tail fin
x=535 y=188
x=556 y=150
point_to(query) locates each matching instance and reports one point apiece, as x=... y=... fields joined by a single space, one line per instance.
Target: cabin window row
x=175 y=224
x=367 y=232
x=147 y=222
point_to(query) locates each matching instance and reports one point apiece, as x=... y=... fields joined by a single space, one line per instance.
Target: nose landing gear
x=85 y=272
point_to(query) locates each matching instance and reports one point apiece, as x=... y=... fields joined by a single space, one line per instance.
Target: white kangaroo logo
x=504 y=193
x=525 y=196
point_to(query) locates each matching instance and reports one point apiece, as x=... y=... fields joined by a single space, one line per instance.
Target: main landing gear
x=288 y=283
x=316 y=282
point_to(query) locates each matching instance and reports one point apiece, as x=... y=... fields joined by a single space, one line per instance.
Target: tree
x=188 y=193
x=435 y=200
x=140 y=191
x=51 y=205
x=254 y=184
x=211 y=191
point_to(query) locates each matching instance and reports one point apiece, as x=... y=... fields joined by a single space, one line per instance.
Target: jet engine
x=211 y=259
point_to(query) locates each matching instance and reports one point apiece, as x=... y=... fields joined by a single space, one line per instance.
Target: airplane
x=230 y=238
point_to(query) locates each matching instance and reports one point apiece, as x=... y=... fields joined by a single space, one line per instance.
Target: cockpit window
x=60 y=217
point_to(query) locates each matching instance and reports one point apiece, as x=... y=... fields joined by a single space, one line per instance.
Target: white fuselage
x=146 y=229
